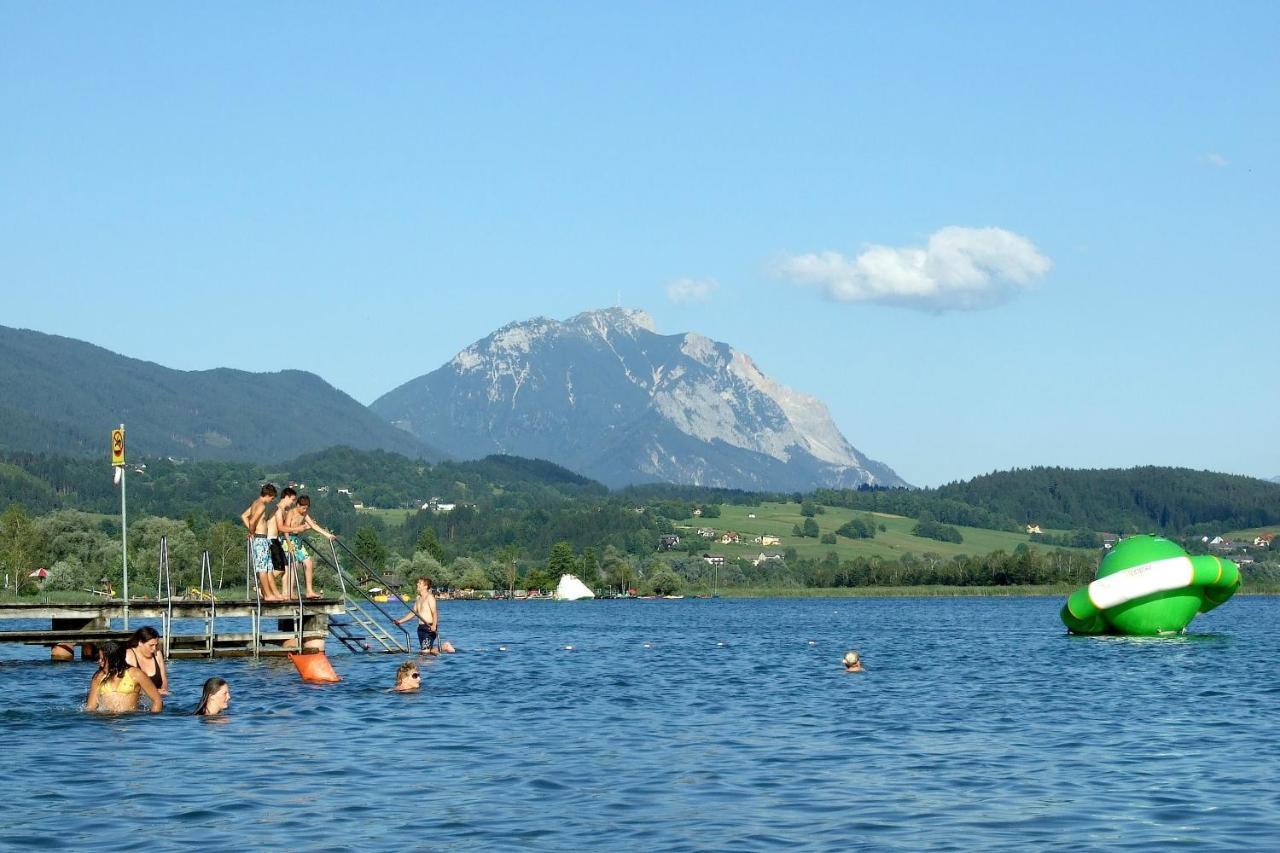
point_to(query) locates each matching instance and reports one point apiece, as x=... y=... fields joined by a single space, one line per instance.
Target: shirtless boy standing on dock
x=255 y=519
x=298 y=521
x=276 y=537
x=424 y=608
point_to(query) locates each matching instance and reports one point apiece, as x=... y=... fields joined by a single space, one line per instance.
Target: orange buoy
x=314 y=667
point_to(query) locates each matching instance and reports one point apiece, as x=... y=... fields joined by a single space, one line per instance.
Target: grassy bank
x=891 y=543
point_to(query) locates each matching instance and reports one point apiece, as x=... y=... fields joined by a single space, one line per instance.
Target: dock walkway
x=91 y=623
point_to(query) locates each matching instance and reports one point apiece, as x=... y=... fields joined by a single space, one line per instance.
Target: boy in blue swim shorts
x=255 y=520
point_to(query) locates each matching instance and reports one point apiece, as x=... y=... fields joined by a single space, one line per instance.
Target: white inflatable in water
x=572 y=589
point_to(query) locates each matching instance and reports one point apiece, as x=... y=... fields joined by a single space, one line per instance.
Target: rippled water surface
x=672 y=725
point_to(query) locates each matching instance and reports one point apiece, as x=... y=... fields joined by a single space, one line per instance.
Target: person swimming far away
x=852 y=661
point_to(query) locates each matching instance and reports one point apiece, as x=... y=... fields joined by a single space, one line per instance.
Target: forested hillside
x=1146 y=499
x=59 y=395
x=486 y=519
x=1156 y=500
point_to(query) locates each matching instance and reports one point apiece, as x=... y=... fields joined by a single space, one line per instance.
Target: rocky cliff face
x=605 y=395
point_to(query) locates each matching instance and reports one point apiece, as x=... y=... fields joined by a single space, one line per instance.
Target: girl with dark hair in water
x=216 y=698
x=142 y=650
x=116 y=685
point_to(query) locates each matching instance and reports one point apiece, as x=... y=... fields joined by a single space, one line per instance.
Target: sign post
x=118 y=462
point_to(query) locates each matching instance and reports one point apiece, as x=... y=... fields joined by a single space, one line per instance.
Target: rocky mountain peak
x=625 y=320
x=605 y=395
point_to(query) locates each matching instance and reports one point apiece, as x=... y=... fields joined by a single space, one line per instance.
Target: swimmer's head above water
x=215 y=699
x=407 y=677
x=852 y=661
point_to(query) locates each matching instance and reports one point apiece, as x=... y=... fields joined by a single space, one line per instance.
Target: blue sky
x=363 y=190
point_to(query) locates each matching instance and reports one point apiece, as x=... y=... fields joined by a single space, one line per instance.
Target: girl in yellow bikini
x=116 y=686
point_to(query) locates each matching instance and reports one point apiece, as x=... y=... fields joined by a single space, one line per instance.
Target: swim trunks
x=426 y=637
x=278 y=559
x=299 y=549
x=261 y=555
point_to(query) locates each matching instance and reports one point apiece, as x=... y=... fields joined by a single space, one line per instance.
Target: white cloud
x=959 y=269
x=1216 y=160
x=691 y=291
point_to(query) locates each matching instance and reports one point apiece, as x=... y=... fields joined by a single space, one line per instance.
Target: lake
x=681 y=725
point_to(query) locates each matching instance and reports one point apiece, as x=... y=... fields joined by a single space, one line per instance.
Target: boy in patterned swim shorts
x=296 y=522
x=255 y=520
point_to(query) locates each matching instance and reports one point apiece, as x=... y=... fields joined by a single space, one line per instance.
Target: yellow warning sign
x=117 y=447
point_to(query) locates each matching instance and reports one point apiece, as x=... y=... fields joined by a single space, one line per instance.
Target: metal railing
x=291 y=566
x=211 y=619
x=255 y=618
x=164 y=581
x=299 y=604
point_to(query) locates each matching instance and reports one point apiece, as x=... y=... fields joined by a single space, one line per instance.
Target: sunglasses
x=414 y=675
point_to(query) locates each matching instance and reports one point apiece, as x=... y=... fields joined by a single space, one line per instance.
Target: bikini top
x=123 y=684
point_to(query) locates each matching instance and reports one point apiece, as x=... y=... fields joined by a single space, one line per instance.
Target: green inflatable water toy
x=1147 y=586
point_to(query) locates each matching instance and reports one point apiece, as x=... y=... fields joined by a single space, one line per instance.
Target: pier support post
x=311 y=623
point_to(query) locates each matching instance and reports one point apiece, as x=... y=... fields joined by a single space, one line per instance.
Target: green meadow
x=778 y=519
x=1249 y=534
x=390 y=517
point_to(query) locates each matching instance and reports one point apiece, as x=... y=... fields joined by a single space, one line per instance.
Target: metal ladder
x=359 y=611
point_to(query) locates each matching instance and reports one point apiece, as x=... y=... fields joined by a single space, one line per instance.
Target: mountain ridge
x=62 y=395
x=604 y=394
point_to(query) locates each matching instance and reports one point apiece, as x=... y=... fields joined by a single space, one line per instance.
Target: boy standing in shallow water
x=255 y=519
x=424 y=608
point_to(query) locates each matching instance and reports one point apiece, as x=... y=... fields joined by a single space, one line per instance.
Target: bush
x=861 y=527
x=663 y=582
x=938 y=531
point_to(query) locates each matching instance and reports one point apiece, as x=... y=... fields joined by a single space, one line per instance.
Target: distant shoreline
x=1019 y=591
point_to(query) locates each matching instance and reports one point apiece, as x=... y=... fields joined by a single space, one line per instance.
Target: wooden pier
x=89 y=624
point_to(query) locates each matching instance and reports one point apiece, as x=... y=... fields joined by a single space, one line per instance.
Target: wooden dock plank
x=153 y=609
x=54 y=637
